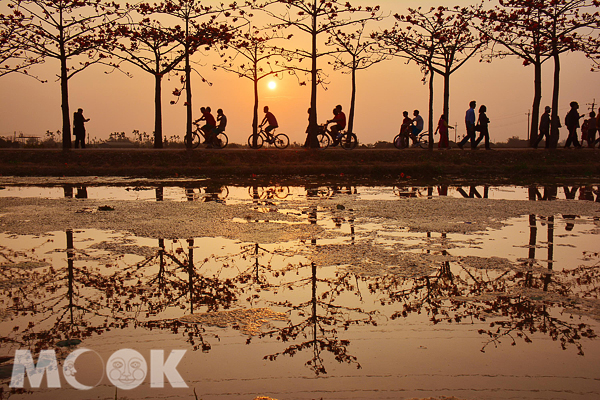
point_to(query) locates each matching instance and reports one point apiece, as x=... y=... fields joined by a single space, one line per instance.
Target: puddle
x=310 y=292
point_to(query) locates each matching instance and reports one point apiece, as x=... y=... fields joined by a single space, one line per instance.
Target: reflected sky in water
x=364 y=312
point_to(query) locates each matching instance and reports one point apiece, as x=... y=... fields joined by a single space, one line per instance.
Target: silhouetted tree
x=516 y=30
x=13 y=57
x=196 y=35
x=316 y=19
x=255 y=58
x=440 y=40
x=563 y=25
x=535 y=31
x=355 y=52
x=153 y=48
x=74 y=32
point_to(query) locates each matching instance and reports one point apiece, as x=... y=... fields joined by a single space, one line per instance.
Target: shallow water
x=365 y=307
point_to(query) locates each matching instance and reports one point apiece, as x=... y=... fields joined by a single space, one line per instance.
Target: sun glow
x=272 y=85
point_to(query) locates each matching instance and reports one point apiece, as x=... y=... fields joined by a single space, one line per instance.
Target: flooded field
x=300 y=292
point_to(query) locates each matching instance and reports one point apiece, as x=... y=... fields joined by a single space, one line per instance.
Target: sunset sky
x=117 y=103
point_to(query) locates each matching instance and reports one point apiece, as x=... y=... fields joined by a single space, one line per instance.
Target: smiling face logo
x=126 y=369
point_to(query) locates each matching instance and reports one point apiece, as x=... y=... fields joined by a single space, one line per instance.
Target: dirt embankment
x=513 y=165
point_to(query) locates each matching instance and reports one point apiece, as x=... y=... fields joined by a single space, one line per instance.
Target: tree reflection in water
x=518 y=301
x=57 y=306
x=315 y=324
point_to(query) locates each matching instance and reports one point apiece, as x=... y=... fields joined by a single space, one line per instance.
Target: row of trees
x=162 y=39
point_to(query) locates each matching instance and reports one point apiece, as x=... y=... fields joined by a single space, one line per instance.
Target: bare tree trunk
x=158 y=136
x=352 y=99
x=255 y=115
x=312 y=120
x=64 y=91
x=447 y=95
x=188 y=90
x=430 y=120
x=555 y=119
x=537 y=99
x=188 y=105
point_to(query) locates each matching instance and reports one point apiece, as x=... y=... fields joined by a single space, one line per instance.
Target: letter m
x=23 y=363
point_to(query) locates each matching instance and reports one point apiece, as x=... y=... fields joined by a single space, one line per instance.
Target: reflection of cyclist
x=271 y=120
x=417 y=127
x=340 y=123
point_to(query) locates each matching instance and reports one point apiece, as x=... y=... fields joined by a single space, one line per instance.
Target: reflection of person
x=470 y=124
x=271 y=120
x=442 y=128
x=484 y=132
x=572 y=123
x=79 y=128
x=340 y=123
x=544 y=128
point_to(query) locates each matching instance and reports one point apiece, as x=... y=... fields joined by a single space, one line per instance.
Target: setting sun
x=272 y=85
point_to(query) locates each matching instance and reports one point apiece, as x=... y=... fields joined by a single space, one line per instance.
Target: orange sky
x=116 y=103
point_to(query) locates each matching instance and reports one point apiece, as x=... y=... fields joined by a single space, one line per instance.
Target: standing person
x=544 y=128
x=306 y=144
x=442 y=128
x=470 y=124
x=417 y=127
x=592 y=129
x=483 y=128
x=79 y=128
x=340 y=123
x=271 y=120
x=572 y=123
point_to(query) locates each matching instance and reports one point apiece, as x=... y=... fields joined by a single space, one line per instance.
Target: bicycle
x=219 y=140
x=401 y=140
x=280 y=141
x=268 y=193
x=325 y=138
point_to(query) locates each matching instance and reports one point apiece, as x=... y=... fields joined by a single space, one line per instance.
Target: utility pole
x=528 y=116
x=593 y=105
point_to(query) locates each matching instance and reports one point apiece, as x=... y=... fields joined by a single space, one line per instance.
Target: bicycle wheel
x=398 y=142
x=323 y=140
x=259 y=141
x=281 y=141
x=220 y=141
x=424 y=141
x=348 y=141
x=195 y=140
x=282 y=192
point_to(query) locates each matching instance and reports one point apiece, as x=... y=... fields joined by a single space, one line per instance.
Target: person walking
x=470 y=125
x=544 y=129
x=442 y=128
x=79 y=128
x=484 y=132
x=572 y=123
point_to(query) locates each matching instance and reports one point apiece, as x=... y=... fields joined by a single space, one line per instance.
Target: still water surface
x=367 y=310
